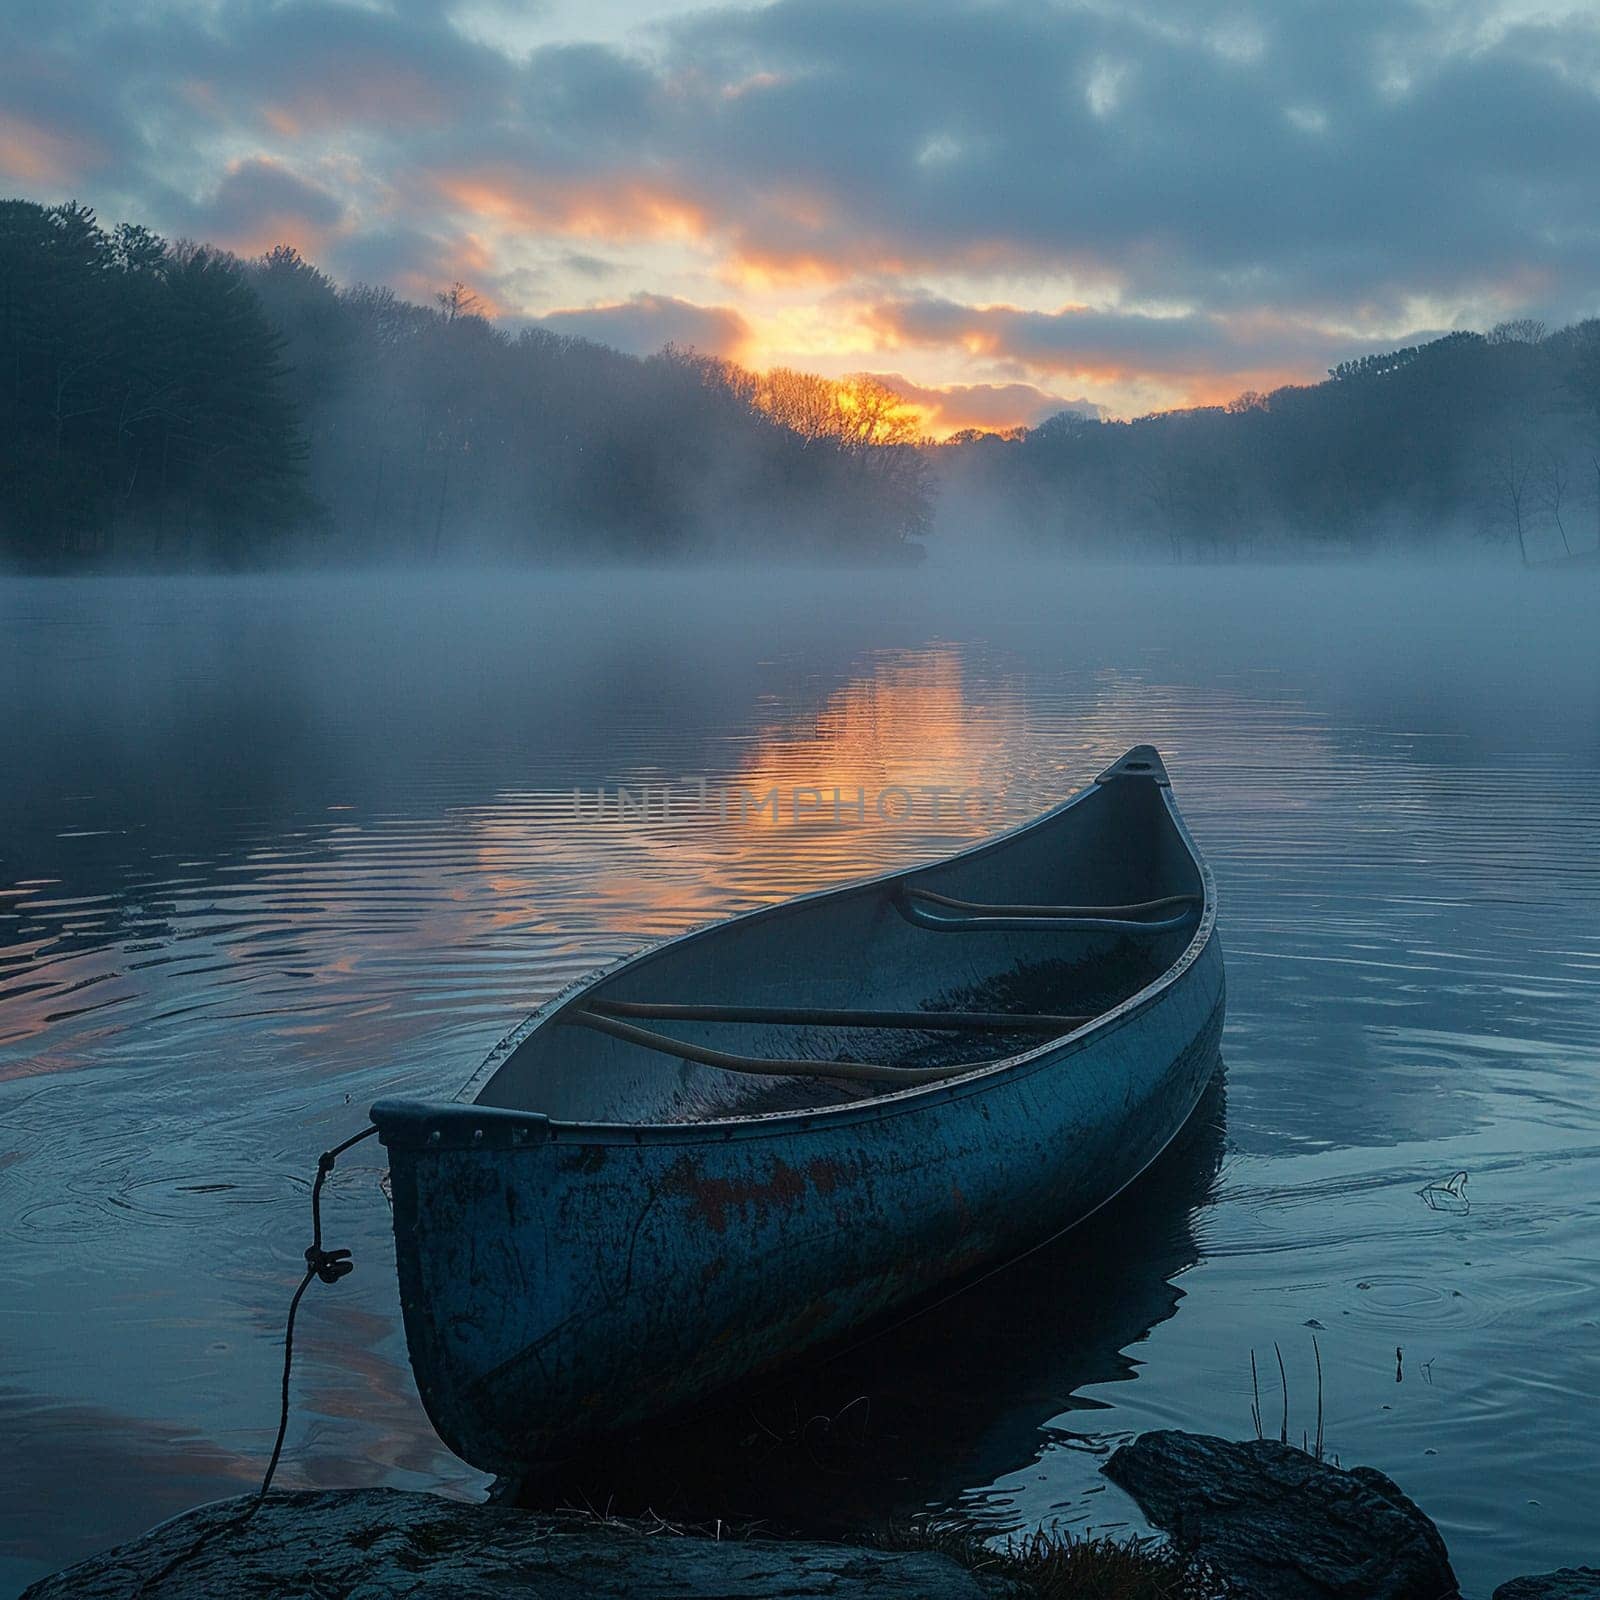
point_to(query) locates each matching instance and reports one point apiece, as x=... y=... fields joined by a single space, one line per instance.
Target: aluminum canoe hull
x=564 y=1282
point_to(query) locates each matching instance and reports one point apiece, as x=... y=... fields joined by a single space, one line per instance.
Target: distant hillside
x=169 y=403
x=1472 y=437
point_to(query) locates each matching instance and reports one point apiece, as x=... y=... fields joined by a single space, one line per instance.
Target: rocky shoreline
x=1257 y=1520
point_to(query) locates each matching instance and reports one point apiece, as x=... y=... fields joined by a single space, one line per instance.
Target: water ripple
x=264 y=861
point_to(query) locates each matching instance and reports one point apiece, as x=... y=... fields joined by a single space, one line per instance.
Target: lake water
x=271 y=847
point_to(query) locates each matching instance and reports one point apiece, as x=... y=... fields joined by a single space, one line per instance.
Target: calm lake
x=272 y=847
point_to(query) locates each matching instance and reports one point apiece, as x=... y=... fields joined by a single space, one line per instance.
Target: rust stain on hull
x=716 y=1197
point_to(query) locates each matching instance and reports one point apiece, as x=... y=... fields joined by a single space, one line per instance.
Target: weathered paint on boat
x=656 y=1233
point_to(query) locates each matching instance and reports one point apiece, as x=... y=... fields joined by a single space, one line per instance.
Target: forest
x=171 y=404
x=174 y=405
x=1470 y=440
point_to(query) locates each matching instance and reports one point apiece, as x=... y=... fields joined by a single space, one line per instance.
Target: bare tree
x=458 y=301
x=1519 y=330
x=804 y=403
x=860 y=412
x=63 y=412
x=1165 y=494
x=1583 y=383
x=1510 y=490
x=872 y=415
x=1550 y=492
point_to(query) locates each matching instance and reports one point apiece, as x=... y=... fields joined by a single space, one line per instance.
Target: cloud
x=993 y=407
x=260 y=203
x=646 y=322
x=1191 y=184
x=588 y=266
x=310 y=67
x=51 y=137
x=548 y=204
x=1179 y=193
x=38 y=155
x=1108 y=345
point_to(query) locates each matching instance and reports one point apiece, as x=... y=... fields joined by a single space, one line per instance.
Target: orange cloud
x=593 y=209
x=755 y=82
x=201 y=96
x=384 y=93
x=993 y=407
x=1171 y=361
x=1219 y=389
x=261 y=202
x=469 y=256
x=761 y=271
x=645 y=323
x=467 y=260
x=271 y=229
x=31 y=154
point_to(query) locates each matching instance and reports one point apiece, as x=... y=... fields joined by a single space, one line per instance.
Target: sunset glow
x=1125 y=229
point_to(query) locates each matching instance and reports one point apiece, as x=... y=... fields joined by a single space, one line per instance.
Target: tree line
x=1473 y=437
x=140 y=385
x=170 y=402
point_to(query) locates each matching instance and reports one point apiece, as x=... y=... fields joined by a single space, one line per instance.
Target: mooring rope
x=328 y=1265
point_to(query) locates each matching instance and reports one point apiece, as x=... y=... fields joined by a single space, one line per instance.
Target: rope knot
x=329 y=1265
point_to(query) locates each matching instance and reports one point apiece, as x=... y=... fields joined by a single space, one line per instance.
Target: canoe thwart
x=967 y=916
x=765 y=1066
x=823 y=1017
x=1136 y=909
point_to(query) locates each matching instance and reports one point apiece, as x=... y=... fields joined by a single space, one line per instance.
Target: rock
x=1566 y=1583
x=367 y=1544
x=1283 y=1525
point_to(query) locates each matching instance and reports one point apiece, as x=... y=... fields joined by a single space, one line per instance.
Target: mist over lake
x=273 y=846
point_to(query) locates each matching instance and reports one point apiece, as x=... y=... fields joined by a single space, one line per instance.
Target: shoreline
x=1255 y=1520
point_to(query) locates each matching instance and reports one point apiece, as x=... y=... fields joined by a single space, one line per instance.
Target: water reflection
x=814 y=797
x=269 y=849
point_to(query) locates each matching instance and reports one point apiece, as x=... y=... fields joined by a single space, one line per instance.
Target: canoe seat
x=824 y=1017
x=969 y=916
x=608 y=1017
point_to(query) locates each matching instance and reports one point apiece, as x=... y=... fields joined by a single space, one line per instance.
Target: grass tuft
x=1049 y=1564
x=1058 y=1564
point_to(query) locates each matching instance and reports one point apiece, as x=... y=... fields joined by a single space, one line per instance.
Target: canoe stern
x=562 y=1283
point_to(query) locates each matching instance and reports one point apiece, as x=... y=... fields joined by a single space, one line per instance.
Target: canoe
x=763 y=1137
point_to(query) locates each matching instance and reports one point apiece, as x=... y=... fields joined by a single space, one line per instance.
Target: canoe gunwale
x=461 y=1123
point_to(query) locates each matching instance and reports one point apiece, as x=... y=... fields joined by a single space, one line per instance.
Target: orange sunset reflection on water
x=332 y=940
x=899 y=763
x=274 y=850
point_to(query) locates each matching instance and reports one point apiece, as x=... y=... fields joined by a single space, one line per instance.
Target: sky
x=1005 y=207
